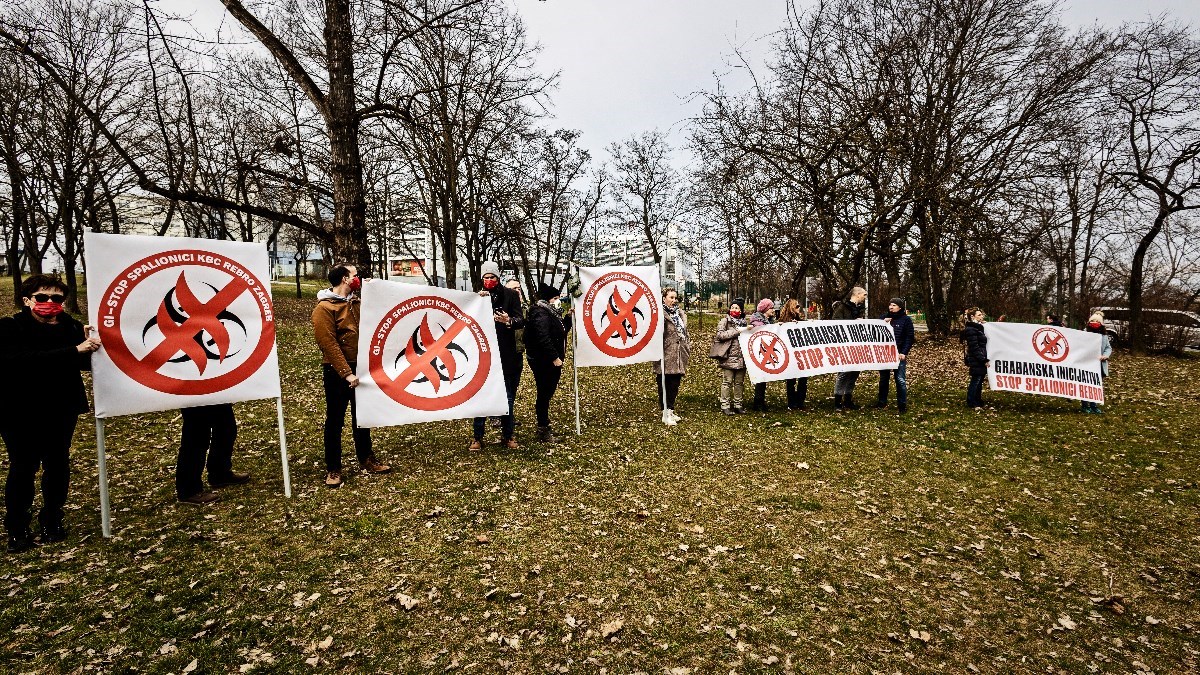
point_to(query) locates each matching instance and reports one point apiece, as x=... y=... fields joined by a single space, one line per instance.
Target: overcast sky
x=629 y=66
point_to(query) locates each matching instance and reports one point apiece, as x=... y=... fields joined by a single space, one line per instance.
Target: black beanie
x=547 y=292
x=899 y=302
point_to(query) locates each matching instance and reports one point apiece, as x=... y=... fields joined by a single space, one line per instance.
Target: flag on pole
x=426 y=354
x=183 y=322
x=620 y=316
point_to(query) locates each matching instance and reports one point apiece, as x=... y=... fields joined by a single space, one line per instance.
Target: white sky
x=629 y=66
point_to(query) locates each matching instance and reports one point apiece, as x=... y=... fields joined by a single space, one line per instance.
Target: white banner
x=426 y=354
x=1046 y=360
x=619 y=317
x=784 y=351
x=183 y=322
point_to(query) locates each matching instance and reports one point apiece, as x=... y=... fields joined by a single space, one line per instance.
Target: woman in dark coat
x=546 y=349
x=975 y=355
x=42 y=350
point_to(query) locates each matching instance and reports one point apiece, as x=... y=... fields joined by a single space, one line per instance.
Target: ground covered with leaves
x=1022 y=538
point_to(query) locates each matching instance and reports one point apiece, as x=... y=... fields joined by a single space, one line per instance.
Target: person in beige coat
x=728 y=352
x=676 y=349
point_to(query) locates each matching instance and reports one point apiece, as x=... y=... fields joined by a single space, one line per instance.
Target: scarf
x=673 y=315
x=555 y=308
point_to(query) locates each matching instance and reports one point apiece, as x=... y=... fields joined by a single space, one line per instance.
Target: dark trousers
x=512 y=381
x=209 y=432
x=797 y=391
x=900 y=374
x=338 y=395
x=546 y=376
x=975 y=390
x=760 y=396
x=34 y=443
x=673 y=382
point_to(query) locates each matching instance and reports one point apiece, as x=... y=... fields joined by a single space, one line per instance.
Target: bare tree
x=646 y=189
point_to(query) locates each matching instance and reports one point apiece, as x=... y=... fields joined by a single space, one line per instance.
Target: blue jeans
x=975 y=390
x=900 y=374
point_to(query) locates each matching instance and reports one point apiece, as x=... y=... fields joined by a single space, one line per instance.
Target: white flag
x=426 y=354
x=183 y=322
x=620 y=316
x=1046 y=360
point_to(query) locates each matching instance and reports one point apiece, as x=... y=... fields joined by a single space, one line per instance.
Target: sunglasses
x=49 y=297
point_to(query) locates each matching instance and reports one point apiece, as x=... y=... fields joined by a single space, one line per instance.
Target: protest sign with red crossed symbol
x=620 y=315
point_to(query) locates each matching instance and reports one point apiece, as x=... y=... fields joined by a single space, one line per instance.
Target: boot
x=850 y=404
x=545 y=435
x=837 y=402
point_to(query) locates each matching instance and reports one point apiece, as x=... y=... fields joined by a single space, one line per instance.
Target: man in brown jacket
x=335 y=325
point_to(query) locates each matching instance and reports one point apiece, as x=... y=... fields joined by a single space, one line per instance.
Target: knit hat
x=489 y=267
x=1097 y=317
x=547 y=292
x=899 y=302
x=765 y=304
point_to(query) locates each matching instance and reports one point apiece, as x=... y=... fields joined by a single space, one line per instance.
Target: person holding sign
x=1095 y=324
x=763 y=317
x=506 y=311
x=335 y=326
x=209 y=432
x=974 y=343
x=676 y=349
x=43 y=349
x=546 y=348
x=727 y=350
x=851 y=310
x=797 y=387
x=902 y=326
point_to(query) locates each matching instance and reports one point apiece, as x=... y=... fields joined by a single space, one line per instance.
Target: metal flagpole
x=283 y=453
x=102 y=466
x=663 y=367
x=575 y=366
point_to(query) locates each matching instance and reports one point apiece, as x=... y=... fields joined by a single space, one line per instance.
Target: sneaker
x=545 y=435
x=18 y=543
x=201 y=498
x=50 y=534
x=728 y=411
x=667 y=419
x=333 y=479
x=372 y=465
x=234 y=478
x=476 y=444
x=881 y=404
x=674 y=415
x=511 y=444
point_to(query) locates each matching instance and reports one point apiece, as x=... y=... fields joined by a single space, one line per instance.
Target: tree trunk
x=350 y=243
x=1137 y=329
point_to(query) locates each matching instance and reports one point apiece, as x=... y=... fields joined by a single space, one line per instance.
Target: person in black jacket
x=902 y=326
x=506 y=311
x=975 y=355
x=546 y=349
x=852 y=309
x=207 y=438
x=42 y=350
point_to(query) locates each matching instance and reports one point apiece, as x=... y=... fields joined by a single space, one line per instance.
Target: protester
x=208 y=435
x=974 y=343
x=514 y=284
x=546 y=349
x=1053 y=320
x=765 y=315
x=42 y=350
x=1095 y=324
x=727 y=350
x=797 y=387
x=676 y=349
x=902 y=326
x=852 y=309
x=506 y=312
x=335 y=326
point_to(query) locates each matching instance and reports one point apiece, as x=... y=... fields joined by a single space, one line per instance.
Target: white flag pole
x=575 y=366
x=283 y=453
x=102 y=466
x=662 y=366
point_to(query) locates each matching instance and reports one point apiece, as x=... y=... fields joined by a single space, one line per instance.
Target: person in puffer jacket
x=729 y=357
x=974 y=343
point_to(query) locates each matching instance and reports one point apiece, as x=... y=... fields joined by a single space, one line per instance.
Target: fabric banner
x=183 y=322
x=426 y=354
x=783 y=351
x=1046 y=360
x=620 y=316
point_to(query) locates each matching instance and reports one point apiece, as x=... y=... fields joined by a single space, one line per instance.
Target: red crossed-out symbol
x=619 y=316
x=1051 y=344
x=201 y=317
x=768 y=352
x=423 y=366
x=177 y=337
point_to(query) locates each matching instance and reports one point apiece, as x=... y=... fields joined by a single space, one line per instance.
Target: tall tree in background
x=646 y=190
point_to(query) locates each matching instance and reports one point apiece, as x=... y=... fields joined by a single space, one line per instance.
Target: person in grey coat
x=676 y=349
x=728 y=352
x=1095 y=324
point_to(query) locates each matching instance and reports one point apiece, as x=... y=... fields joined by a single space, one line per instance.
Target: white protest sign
x=1046 y=360
x=620 y=316
x=784 y=351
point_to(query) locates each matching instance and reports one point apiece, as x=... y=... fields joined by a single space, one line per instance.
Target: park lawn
x=1024 y=538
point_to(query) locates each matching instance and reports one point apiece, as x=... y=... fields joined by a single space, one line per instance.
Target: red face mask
x=491 y=283
x=735 y=313
x=356 y=284
x=1094 y=324
x=47 y=309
